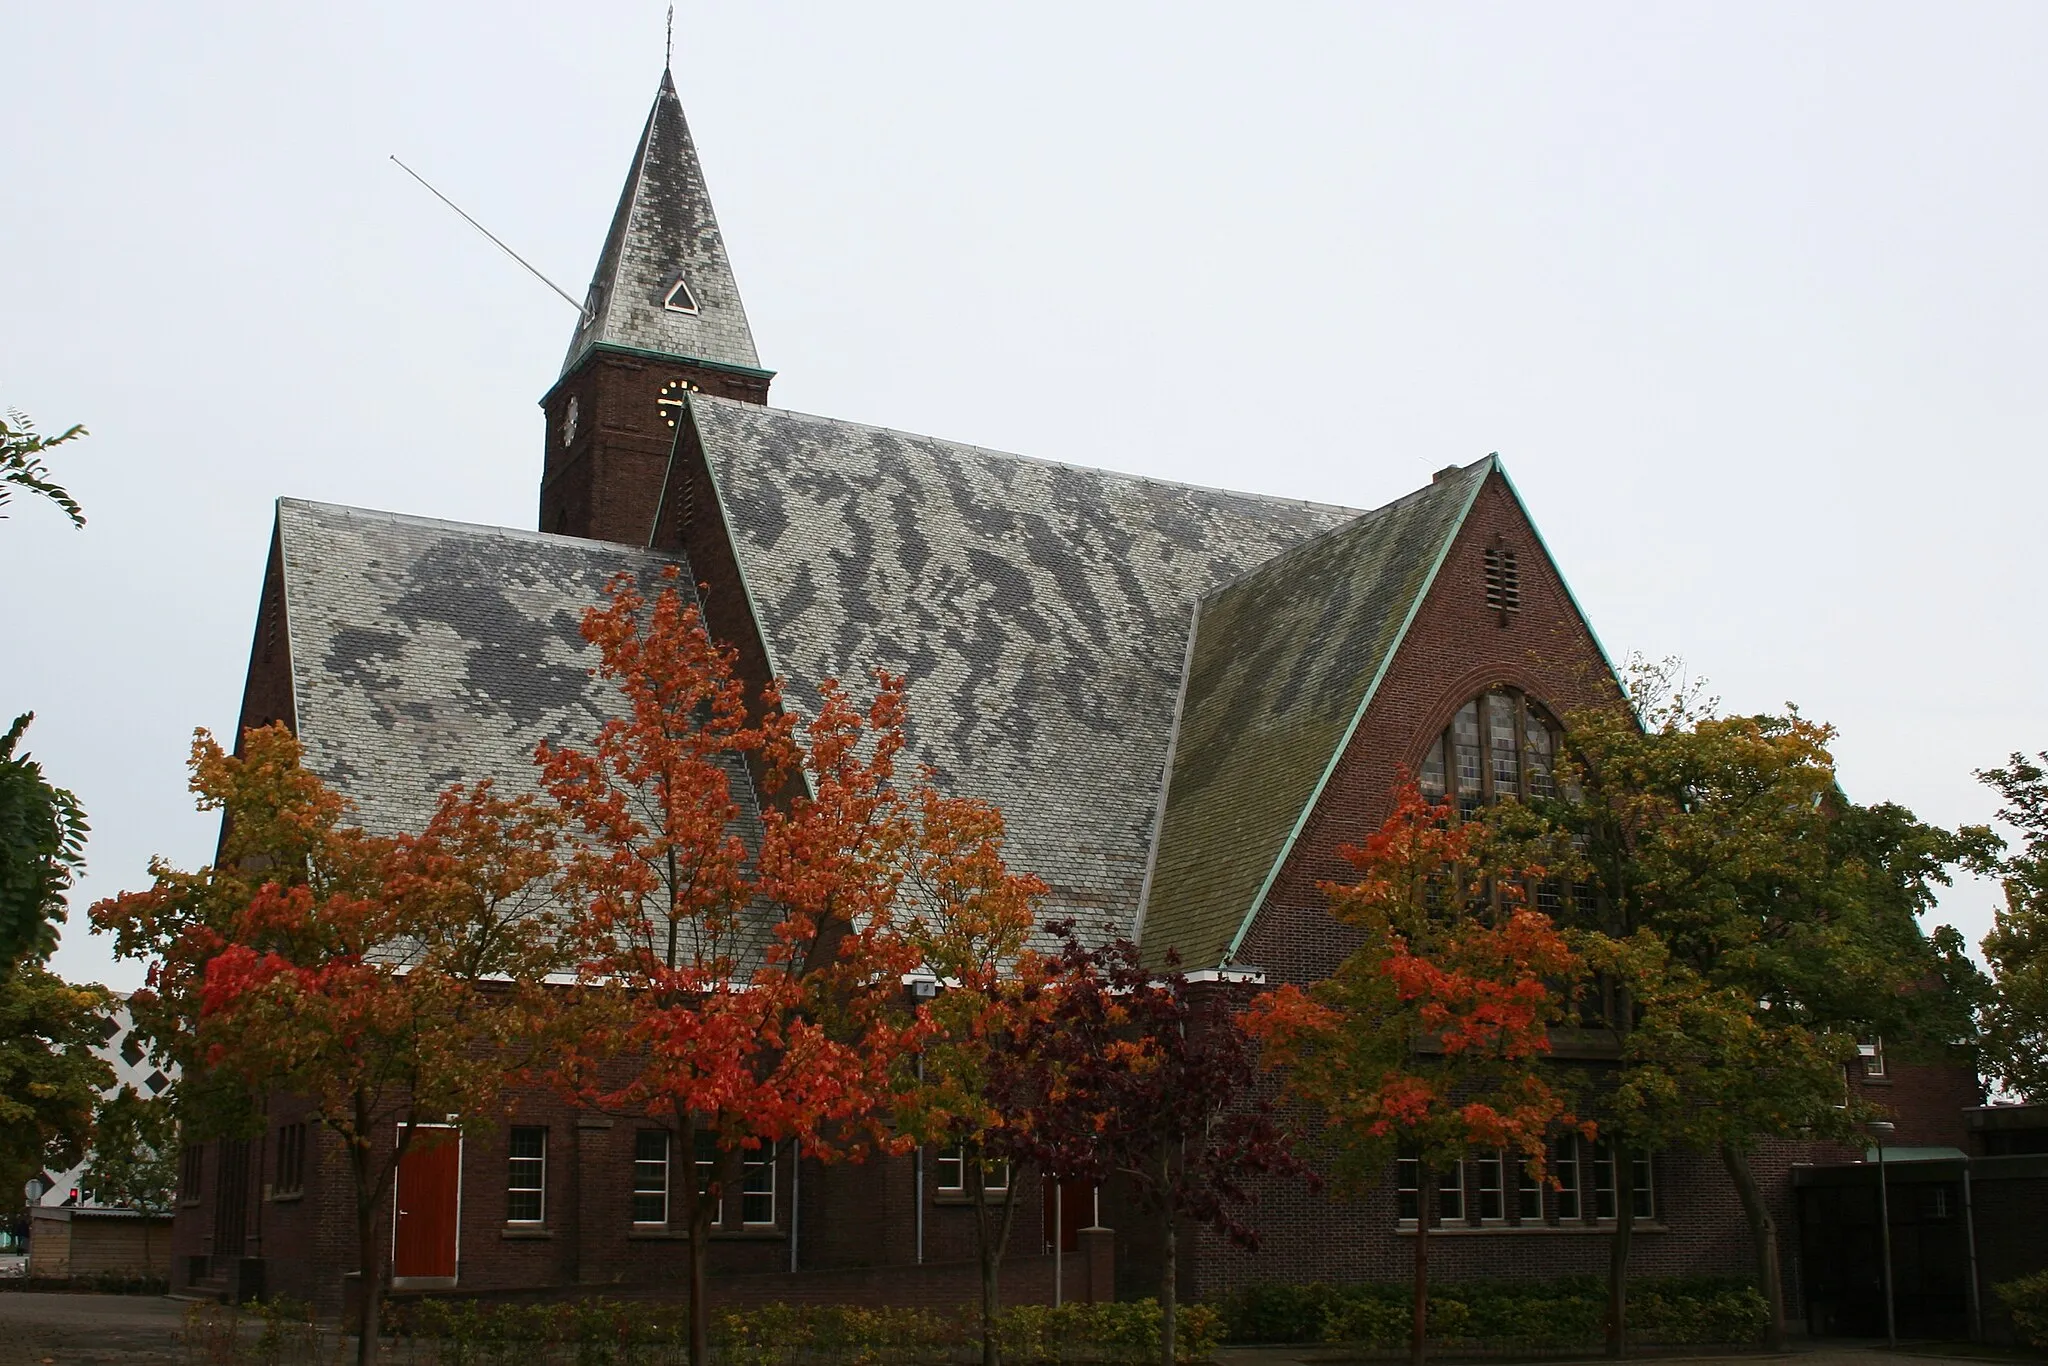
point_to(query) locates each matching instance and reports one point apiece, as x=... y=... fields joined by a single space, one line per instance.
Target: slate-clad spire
x=663 y=283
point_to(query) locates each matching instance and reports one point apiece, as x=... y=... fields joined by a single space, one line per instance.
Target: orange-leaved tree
x=1429 y=1041
x=968 y=919
x=740 y=981
x=390 y=980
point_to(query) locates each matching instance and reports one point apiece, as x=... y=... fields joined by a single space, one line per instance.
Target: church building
x=1184 y=700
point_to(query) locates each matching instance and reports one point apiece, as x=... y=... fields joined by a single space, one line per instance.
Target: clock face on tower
x=673 y=395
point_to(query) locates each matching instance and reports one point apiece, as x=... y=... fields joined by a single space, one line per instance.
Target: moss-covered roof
x=1282 y=665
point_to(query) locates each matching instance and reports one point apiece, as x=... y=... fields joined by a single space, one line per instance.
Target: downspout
x=1970 y=1237
x=917 y=1175
x=796 y=1190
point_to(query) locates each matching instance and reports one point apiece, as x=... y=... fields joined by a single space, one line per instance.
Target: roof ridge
x=1368 y=516
x=1273 y=498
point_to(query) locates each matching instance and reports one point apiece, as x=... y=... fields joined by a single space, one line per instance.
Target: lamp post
x=1882 y=1129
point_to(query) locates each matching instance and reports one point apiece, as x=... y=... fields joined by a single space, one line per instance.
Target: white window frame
x=666 y=1163
x=540 y=1163
x=762 y=1162
x=995 y=1178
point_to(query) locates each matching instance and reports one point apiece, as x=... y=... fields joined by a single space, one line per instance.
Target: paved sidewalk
x=87 y=1330
x=1803 y=1354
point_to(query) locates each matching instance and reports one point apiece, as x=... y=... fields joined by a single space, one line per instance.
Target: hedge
x=1568 y=1312
x=597 y=1332
x=2027 y=1298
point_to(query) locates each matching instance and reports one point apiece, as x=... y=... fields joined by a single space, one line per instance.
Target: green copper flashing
x=638 y=353
x=1493 y=466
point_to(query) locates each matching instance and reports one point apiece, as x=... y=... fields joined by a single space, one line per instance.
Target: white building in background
x=122 y=1049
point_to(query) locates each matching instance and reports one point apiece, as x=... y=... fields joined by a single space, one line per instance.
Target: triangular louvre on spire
x=664 y=235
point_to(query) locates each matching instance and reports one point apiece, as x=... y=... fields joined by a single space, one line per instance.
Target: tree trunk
x=1169 y=1270
x=373 y=1187
x=1617 y=1250
x=989 y=1245
x=1425 y=1207
x=1763 y=1230
x=703 y=1208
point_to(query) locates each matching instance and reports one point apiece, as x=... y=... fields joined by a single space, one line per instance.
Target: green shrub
x=2027 y=1299
x=597 y=1332
x=1562 y=1313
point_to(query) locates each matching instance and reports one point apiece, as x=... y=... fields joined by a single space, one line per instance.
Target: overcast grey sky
x=1752 y=299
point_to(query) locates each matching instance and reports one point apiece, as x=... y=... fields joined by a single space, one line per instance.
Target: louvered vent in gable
x=1503 y=580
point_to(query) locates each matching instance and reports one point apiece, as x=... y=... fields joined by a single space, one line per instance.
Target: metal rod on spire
x=668 y=49
x=581 y=311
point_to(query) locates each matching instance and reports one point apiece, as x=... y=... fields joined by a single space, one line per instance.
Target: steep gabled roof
x=1040 y=611
x=663 y=232
x=426 y=653
x=1283 y=664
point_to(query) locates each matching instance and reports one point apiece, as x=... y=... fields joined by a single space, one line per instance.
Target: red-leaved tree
x=742 y=986
x=1429 y=1041
x=388 y=980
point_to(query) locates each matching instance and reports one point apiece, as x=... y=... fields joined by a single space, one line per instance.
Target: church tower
x=663 y=318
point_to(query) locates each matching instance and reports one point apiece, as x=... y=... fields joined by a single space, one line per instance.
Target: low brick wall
x=69 y=1242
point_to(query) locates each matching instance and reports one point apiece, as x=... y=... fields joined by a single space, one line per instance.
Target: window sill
x=1876 y=1081
x=718 y=1235
x=967 y=1201
x=287 y=1197
x=526 y=1233
x=1576 y=1226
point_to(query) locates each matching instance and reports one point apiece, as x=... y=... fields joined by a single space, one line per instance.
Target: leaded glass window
x=1500 y=744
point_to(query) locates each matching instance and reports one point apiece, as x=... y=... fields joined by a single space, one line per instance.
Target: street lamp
x=1882 y=1129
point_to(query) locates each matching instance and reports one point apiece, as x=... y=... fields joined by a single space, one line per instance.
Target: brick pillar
x=1098 y=1250
x=593 y=1143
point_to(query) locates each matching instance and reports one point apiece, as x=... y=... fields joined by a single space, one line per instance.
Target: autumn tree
x=1430 y=1040
x=740 y=985
x=50 y=1079
x=390 y=980
x=973 y=1087
x=1186 y=1121
x=2015 y=1018
x=42 y=849
x=1747 y=925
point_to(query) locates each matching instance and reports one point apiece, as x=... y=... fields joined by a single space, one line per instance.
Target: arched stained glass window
x=1499 y=744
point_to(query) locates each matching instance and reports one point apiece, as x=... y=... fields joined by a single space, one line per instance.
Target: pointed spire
x=663 y=283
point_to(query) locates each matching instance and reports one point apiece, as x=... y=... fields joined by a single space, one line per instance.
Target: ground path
x=103 y=1330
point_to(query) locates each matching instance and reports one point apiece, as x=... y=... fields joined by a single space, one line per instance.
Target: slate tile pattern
x=426 y=653
x=664 y=225
x=1283 y=661
x=1040 y=611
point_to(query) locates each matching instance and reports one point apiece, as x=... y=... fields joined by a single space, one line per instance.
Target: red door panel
x=429 y=1184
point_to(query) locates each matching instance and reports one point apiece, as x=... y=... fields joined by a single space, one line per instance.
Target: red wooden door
x=429 y=1193
x=1076 y=1212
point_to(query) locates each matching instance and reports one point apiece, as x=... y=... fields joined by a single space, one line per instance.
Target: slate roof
x=1040 y=610
x=664 y=227
x=1284 y=661
x=427 y=652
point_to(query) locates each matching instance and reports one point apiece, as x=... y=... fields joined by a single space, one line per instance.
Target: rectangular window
x=1502 y=733
x=1564 y=1169
x=1536 y=754
x=757 y=1189
x=190 y=1164
x=706 y=1146
x=952 y=1173
x=1465 y=763
x=1450 y=1194
x=1873 y=1057
x=1641 y=1197
x=650 y=1176
x=1431 y=779
x=290 y=1176
x=1528 y=1195
x=526 y=1176
x=1492 y=1195
x=1450 y=1191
